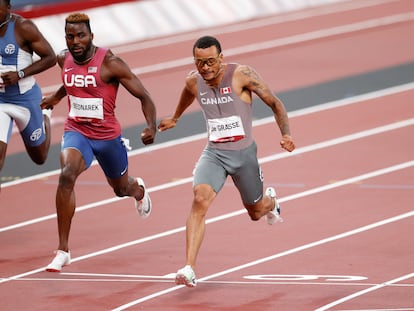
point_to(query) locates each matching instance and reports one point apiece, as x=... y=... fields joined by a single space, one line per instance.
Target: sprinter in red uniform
x=91 y=76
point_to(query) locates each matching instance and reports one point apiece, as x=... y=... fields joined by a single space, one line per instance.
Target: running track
x=346 y=192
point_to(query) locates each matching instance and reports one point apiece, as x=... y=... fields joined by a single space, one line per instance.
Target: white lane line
x=283 y=42
x=314 y=147
x=275 y=256
x=274 y=19
x=297 y=113
x=276 y=43
x=119 y=278
x=365 y=291
x=341 y=183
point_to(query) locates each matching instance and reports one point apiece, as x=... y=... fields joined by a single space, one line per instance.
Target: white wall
x=134 y=21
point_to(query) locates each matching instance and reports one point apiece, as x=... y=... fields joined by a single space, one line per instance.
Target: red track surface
x=347 y=203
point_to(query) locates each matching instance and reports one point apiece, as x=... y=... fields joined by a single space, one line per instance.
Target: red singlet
x=91 y=101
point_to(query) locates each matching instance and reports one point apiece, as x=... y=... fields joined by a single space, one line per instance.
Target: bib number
x=228 y=129
x=86 y=109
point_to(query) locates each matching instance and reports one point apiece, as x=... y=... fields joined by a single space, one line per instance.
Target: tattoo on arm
x=255 y=83
x=283 y=123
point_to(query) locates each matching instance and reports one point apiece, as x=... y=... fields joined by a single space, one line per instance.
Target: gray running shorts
x=215 y=165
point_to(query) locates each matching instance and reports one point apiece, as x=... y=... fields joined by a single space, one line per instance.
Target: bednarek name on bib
x=85 y=107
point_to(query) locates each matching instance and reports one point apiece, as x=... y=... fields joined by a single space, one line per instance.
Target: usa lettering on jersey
x=79 y=80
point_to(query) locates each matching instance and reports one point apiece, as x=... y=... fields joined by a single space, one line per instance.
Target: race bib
x=86 y=109
x=225 y=129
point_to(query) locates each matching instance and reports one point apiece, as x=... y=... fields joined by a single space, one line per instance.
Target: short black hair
x=205 y=42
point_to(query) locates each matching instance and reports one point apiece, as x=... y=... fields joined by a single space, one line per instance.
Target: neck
x=88 y=59
x=8 y=16
x=217 y=79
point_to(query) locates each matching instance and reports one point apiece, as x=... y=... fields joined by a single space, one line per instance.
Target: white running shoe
x=143 y=206
x=186 y=276
x=273 y=216
x=61 y=259
x=48 y=113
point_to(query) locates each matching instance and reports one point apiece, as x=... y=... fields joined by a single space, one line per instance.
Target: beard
x=211 y=76
x=81 y=56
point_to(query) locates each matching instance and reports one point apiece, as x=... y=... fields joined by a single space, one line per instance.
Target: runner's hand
x=287 y=143
x=167 y=124
x=148 y=136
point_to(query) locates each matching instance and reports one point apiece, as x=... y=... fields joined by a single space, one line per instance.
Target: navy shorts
x=24 y=110
x=111 y=154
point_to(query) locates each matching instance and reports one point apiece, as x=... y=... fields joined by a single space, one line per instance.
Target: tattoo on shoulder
x=249 y=72
x=253 y=79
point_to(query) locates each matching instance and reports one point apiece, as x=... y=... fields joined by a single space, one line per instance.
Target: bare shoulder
x=247 y=77
x=61 y=57
x=191 y=80
x=29 y=37
x=114 y=67
x=114 y=63
x=25 y=26
x=246 y=72
x=192 y=76
x=110 y=58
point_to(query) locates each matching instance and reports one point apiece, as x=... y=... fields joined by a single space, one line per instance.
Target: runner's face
x=208 y=62
x=78 y=40
x=4 y=11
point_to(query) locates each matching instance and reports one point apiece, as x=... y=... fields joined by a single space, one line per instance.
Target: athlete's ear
x=92 y=35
